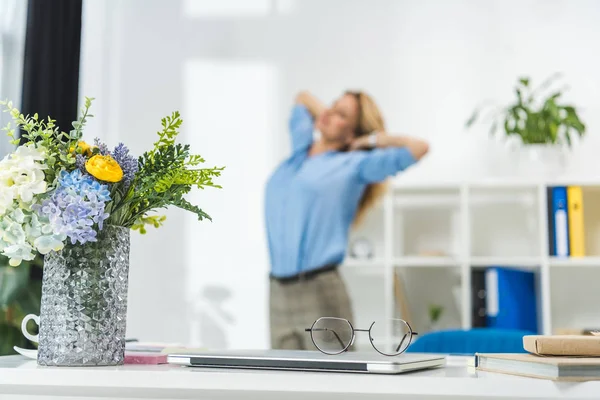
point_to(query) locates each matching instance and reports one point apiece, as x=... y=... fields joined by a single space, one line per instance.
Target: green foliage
x=167 y=136
x=435 y=312
x=12 y=281
x=535 y=121
x=154 y=220
x=19 y=295
x=166 y=173
x=46 y=133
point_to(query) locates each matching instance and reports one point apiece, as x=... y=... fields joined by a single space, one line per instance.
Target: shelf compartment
x=509 y=227
x=574 y=299
x=431 y=232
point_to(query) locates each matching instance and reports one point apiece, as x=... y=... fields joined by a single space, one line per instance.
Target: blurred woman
x=312 y=200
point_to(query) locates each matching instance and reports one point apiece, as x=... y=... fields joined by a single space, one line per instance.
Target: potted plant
x=435 y=312
x=76 y=203
x=543 y=126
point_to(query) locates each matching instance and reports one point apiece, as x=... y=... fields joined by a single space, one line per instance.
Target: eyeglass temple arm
x=402 y=341
x=326 y=329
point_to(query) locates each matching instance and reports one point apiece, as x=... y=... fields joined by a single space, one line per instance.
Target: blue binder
x=550 y=217
x=511 y=299
x=561 y=221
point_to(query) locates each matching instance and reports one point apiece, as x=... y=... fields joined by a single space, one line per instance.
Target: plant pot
x=434 y=326
x=84 y=302
x=540 y=160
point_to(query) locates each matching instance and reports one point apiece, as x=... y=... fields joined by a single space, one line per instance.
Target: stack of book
x=560 y=358
x=554 y=368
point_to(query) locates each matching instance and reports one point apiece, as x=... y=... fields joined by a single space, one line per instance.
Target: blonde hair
x=369 y=120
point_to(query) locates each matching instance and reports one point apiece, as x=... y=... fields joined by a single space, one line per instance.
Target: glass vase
x=84 y=302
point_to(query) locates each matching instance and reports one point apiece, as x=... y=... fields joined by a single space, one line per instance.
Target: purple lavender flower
x=75 y=206
x=102 y=147
x=80 y=162
x=128 y=163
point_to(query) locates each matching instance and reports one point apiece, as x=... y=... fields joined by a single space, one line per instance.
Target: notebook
x=553 y=368
x=562 y=345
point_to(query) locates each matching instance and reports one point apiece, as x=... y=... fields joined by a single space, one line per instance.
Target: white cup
x=34 y=338
x=36 y=318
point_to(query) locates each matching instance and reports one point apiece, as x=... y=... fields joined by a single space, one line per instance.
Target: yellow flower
x=104 y=168
x=82 y=148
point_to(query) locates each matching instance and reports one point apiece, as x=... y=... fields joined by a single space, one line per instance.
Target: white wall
x=13 y=19
x=232 y=67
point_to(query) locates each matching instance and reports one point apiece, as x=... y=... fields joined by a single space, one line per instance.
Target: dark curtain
x=51 y=62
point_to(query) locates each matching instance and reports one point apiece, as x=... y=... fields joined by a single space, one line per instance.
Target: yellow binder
x=576 y=228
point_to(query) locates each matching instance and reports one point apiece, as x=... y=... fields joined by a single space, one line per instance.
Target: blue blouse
x=310 y=202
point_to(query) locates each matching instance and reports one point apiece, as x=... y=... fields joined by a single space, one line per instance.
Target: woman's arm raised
x=417 y=147
x=391 y=155
x=314 y=105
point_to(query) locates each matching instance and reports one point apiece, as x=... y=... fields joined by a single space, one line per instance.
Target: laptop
x=301 y=360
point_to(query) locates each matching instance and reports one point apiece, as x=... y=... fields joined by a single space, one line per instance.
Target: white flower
x=30 y=153
x=6 y=199
x=22 y=175
x=23 y=233
x=45 y=244
x=40 y=232
x=19 y=252
x=13 y=240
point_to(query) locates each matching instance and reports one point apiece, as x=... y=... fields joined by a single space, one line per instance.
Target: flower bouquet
x=76 y=204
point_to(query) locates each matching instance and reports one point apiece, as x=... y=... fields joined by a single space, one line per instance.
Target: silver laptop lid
x=309 y=360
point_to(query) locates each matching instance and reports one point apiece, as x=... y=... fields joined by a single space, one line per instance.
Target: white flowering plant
x=55 y=188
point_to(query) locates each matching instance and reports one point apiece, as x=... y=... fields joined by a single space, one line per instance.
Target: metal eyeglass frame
x=312 y=329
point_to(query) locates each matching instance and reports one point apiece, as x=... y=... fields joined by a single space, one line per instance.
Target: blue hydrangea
x=128 y=163
x=76 y=206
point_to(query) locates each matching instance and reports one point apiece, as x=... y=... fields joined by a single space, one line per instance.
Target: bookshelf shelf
x=366 y=263
x=495 y=183
x=479 y=200
x=422 y=261
x=575 y=262
x=486 y=223
x=514 y=262
x=427 y=201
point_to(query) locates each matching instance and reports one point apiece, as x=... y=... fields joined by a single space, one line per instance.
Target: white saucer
x=26 y=352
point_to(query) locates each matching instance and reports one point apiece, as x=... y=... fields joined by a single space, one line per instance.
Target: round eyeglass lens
x=392 y=345
x=332 y=335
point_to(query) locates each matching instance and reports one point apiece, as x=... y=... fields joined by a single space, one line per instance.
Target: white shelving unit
x=479 y=224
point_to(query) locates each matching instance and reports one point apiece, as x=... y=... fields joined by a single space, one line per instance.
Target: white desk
x=22 y=379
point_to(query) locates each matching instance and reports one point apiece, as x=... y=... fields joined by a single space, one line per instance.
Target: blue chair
x=469 y=342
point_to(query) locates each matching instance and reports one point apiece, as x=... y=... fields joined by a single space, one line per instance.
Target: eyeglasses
x=333 y=335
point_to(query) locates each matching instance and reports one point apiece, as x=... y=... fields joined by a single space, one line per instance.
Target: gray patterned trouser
x=295 y=306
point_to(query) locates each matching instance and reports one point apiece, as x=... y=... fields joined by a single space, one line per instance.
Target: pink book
x=138 y=357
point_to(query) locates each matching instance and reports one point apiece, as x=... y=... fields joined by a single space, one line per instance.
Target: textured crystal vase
x=84 y=302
